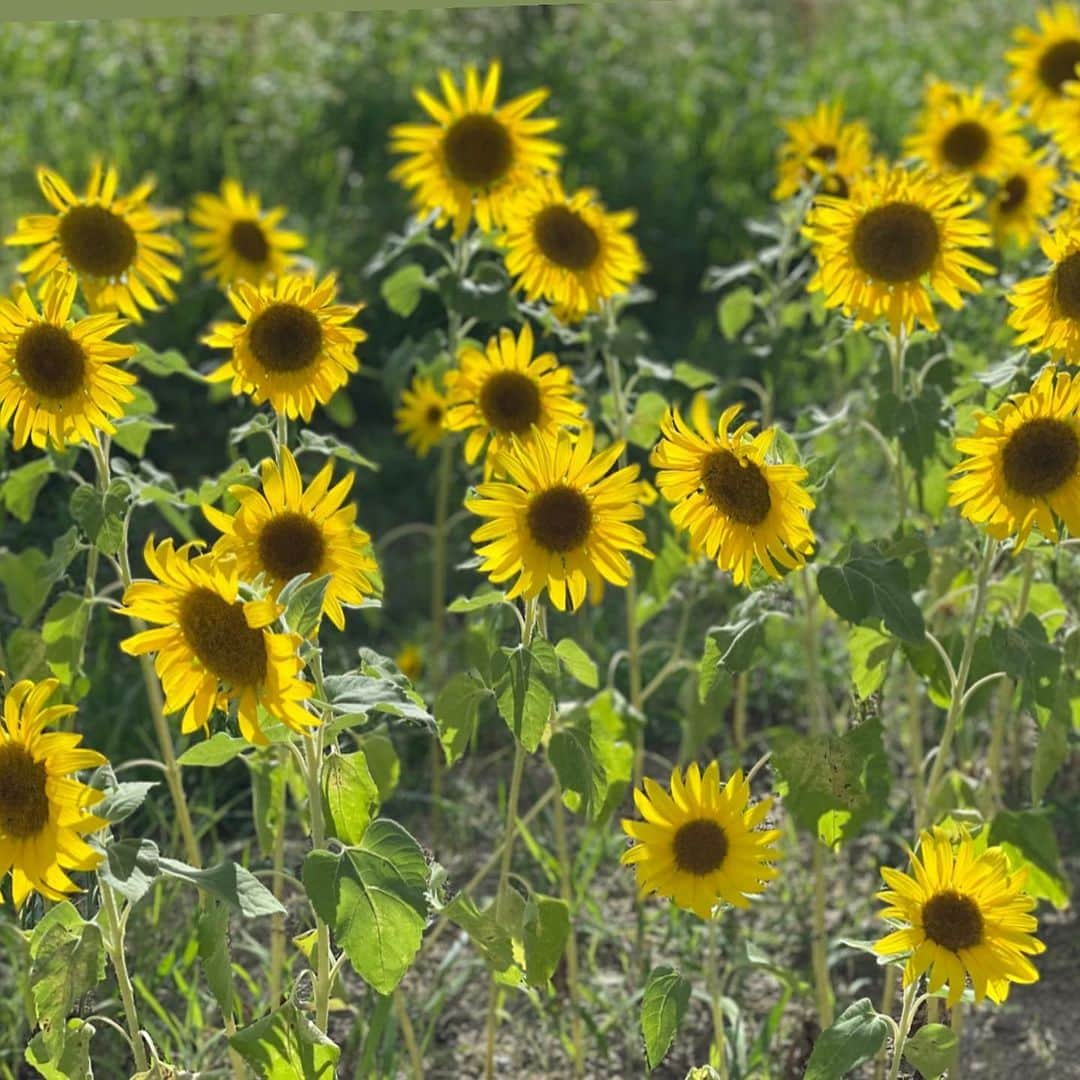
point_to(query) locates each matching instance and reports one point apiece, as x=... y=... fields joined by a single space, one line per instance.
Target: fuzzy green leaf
x=212 y=933
x=855 y=1036
x=286 y=1045
x=211 y=753
x=238 y=887
x=932 y=1049
x=350 y=796
x=663 y=1006
x=578 y=662
x=866 y=588
x=456 y=711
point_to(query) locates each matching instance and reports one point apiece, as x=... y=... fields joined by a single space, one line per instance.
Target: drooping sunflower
x=569 y=250
x=736 y=505
x=822 y=145
x=422 y=415
x=961 y=915
x=559 y=521
x=476 y=154
x=505 y=393
x=288 y=530
x=44 y=811
x=293 y=348
x=701 y=844
x=1023 y=463
x=1045 y=60
x=212 y=647
x=898 y=235
x=59 y=378
x=113 y=244
x=1023 y=200
x=1048 y=306
x=238 y=239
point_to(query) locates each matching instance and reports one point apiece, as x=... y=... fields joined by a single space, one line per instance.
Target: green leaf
x=578 y=662
x=735 y=312
x=212 y=934
x=303 y=599
x=331 y=446
x=357 y=694
x=918 y=419
x=546 y=930
x=1051 y=752
x=21 y=486
x=870 y=652
x=866 y=588
x=855 y=1036
x=382 y=760
x=932 y=1049
x=1028 y=840
x=403 y=288
x=286 y=1045
x=482 y=599
x=456 y=711
x=22 y=578
x=130 y=867
x=340 y=409
x=1025 y=654
x=63 y=632
x=524 y=689
x=238 y=887
x=691 y=376
x=122 y=800
x=73 y=1063
x=663 y=1006
x=350 y=796
x=101 y=516
x=218 y=750
x=493 y=940
x=169 y=362
x=26 y=655
x=373 y=897
x=644 y=427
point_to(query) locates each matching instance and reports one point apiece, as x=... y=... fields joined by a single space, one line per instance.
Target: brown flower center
x=1058 y=64
x=559 y=519
x=965 y=144
x=1014 y=193
x=952 y=921
x=700 y=847
x=510 y=402
x=248 y=240
x=896 y=242
x=834 y=184
x=1040 y=456
x=50 y=361
x=1067 y=286
x=220 y=637
x=291 y=544
x=96 y=241
x=285 y=337
x=478 y=150
x=825 y=152
x=737 y=489
x=434 y=415
x=565 y=238
x=24 y=803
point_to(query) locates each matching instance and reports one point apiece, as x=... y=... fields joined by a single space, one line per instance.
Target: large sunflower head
x=559 y=521
x=213 y=647
x=568 y=250
x=287 y=529
x=112 y=243
x=700 y=843
x=822 y=146
x=60 y=382
x=1047 y=307
x=962 y=914
x=476 y=153
x=1044 y=61
x=506 y=393
x=293 y=348
x=898 y=236
x=43 y=809
x=736 y=505
x=422 y=415
x=1023 y=200
x=1022 y=465
x=238 y=239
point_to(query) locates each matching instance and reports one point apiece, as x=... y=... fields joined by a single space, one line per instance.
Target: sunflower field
x=542 y=542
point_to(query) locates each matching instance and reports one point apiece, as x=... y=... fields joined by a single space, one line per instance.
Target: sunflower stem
x=277 y=925
x=957 y=1022
x=897 y=350
x=281 y=443
x=906 y=1017
x=888 y=1000
x=313 y=757
x=566 y=877
x=438 y=618
x=739 y=714
x=408 y=1033
x=114 y=945
x=718 y=1054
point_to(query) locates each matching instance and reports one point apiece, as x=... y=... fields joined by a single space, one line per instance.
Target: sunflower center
x=1040 y=456
x=96 y=241
x=291 y=544
x=286 y=337
x=966 y=144
x=434 y=414
x=1014 y=194
x=1058 y=64
x=952 y=921
x=220 y=637
x=248 y=240
x=700 y=847
x=896 y=242
x=1067 y=286
x=478 y=150
x=50 y=361
x=738 y=489
x=565 y=238
x=24 y=804
x=825 y=152
x=510 y=402
x=835 y=185
x=559 y=519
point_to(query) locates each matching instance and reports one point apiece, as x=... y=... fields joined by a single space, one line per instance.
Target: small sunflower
x=961 y=915
x=1023 y=463
x=896 y=236
x=559 y=521
x=212 y=647
x=422 y=415
x=569 y=250
x=113 y=244
x=822 y=145
x=476 y=154
x=700 y=844
x=1048 y=306
x=1044 y=61
x=410 y=661
x=238 y=239
x=43 y=810
x=293 y=348
x=59 y=378
x=1023 y=200
x=505 y=393
x=735 y=505
x=286 y=530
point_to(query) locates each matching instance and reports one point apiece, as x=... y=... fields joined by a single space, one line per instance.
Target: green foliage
x=869 y=588
x=856 y=1036
x=663 y=1006
x=286 y=1045
x=350 y=796
x=524 y=685
x=932 y=1049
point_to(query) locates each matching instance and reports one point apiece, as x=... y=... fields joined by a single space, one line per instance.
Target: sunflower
x=286 y=530
x=735 y=505
x=422 y=415
x=59 y=378
x=43 y=811
x=1023 y=200
x=898 y=235
x=822 y=145
x=962 y=914
x=505 y=393
x=113 y=244
x=1048 y=306
x=969 y=134
x=1023 y=463
x=214 y=648
x=559 y=521
x=1045 y=60
x=293 y=347
x=569 y=250
x=471 y=160
x=240 y=241
x=700 y=844
x=410 y=661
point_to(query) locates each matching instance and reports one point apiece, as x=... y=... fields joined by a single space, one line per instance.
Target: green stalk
x=438 y=617
x=897 y=349
x=277 y=925
x=313 y=758
x=114 y=945
x=566 y=877
x=906 y=1016
x=712 y=983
